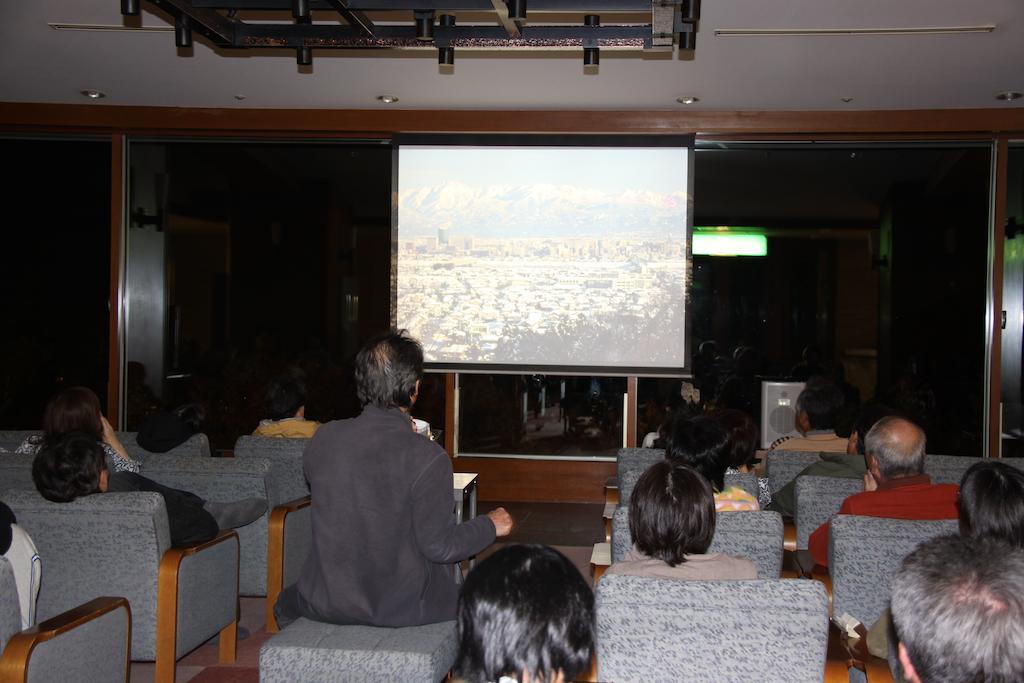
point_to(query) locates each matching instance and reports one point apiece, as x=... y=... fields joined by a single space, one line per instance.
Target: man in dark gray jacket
x=384 y=533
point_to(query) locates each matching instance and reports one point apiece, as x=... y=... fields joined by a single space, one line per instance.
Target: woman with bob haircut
x=992 y=502
x=703 y=443
x=78 y=410
x=672 y=521
x=525 y=614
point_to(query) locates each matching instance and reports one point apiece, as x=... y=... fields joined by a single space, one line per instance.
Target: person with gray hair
x=958 y=612
x=895 y=484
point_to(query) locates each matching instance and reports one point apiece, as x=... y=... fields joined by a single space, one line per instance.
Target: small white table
x=464 y=483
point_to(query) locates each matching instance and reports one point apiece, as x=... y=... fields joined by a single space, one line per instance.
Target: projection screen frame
x=683 y=141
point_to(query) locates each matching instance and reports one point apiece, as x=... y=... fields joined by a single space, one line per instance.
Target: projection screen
x=545 y=257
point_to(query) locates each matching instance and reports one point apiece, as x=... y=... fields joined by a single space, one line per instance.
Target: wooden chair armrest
x=611 y=491
x=275 y=554
x=16 y=656
x=789 y=537
x=167 y=607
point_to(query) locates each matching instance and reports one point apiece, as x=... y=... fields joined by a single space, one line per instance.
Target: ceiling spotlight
x=304 y=56
x=1009 y=96
x=182 y=31
x=446 y=53
x=300 y=8
x=687 y=99
x=424 y=24
x=846 y=100
x=388 y=99
x=129 y=8
x=94 y=94
x=239 y=97
x=516 y=10
x=591 y=54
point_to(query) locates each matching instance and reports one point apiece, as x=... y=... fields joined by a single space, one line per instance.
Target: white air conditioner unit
x=778 y=410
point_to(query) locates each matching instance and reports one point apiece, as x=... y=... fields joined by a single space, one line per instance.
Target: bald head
x=897 y=446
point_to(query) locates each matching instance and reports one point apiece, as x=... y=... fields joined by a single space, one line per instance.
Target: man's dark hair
x=702 y=443
x=76 y=409
x=68 y=467
x=866 y=419
x=524 y=609
x=958 y=609
x=742 y=433
x=992 y=502
x=672 y=512
x=822 y=400
x=387 y=370
x=285 y=395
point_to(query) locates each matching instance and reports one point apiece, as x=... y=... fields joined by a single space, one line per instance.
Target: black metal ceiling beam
x=327 y=36
x=355 y=18
x=589 y=6
x=220 y=29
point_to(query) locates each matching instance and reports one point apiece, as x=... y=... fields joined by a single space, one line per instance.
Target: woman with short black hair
x=992 y=502
x=672 y=522
x=525 y=614
x=703 y=443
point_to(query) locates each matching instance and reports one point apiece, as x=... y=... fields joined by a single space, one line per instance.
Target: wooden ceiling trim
x=381 y=123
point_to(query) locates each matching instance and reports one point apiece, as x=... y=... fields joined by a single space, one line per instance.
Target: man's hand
x=869 y=482
x=503 y=522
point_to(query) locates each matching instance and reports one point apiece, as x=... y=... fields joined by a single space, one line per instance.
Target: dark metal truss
x=427 y=23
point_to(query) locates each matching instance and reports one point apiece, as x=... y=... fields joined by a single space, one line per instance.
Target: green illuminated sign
x=727 y=244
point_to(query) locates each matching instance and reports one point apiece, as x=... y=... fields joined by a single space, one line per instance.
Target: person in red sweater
x=895 y=484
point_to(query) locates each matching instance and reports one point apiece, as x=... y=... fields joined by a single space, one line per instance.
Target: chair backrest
x=287 y=478
x=630 y=463
x=224 y=480
x=16 y=472
x=10 y=609
x=781 y=467
x=660 y=629
x=197 y=445
x=817 y=499
x=10 y=439
x=757 y=536
x=108 y=544
x=864 y=554
x=742 y=480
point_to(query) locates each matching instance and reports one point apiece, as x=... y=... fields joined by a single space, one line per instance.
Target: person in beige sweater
x=672 y=521
x=285 y=408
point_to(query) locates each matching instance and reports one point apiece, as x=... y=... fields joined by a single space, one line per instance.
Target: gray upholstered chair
x=630 y=463
x=754 y=535
x=323 y=653
x=16 y=472
x=817 y=499
x=90 y=642
x=864 y=554
x=781 y=467
x=664 y=630
x=224 y=480
x=10 y=439
x=197 y=445
x=287 y=479
x=119 y=544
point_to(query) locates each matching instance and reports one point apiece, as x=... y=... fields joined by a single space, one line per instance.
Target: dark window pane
x=248 y=260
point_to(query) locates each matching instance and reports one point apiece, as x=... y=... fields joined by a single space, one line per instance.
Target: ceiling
x=767 y=73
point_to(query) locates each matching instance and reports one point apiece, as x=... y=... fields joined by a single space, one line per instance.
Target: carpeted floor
x=571 y=528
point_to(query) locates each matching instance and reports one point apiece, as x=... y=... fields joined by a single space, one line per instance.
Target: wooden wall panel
x=521 y=479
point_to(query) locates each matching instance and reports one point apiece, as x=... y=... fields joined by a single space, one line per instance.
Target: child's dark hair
x=285 y=395
x=69 y=467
